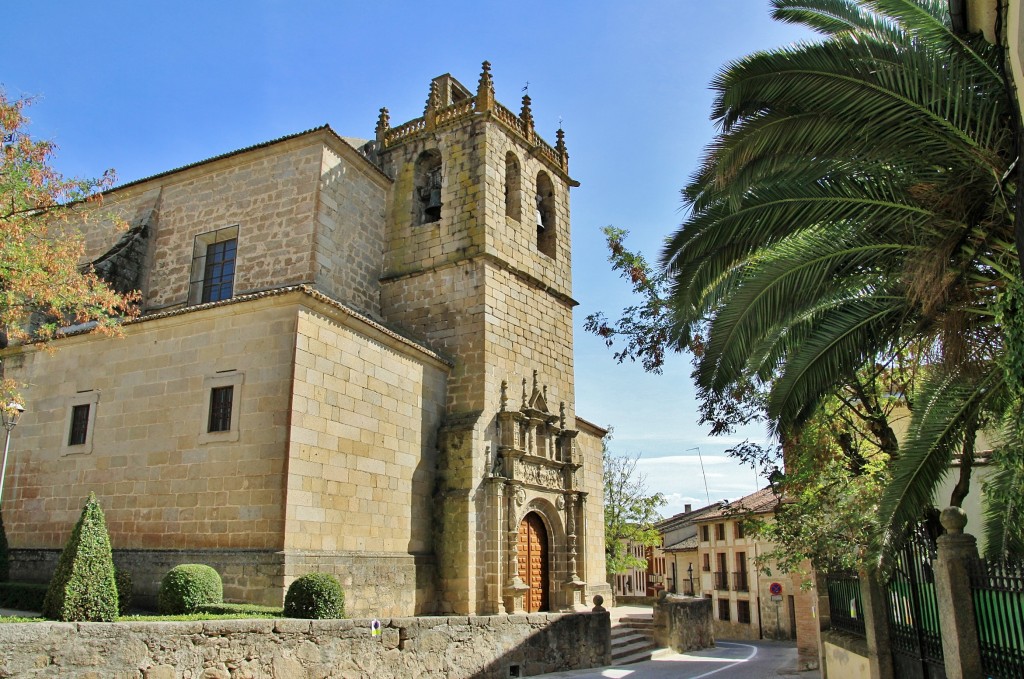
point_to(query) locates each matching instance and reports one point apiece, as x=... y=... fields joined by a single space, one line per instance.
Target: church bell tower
x=478 y=263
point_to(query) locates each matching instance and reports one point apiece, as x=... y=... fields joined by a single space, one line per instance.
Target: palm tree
x=856 y=207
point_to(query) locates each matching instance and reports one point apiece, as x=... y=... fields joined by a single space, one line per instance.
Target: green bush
x=188 y=586
x=22 y=596
x=125 y=590
x=83 y=587
x=5 y=554
x=315 y=595
x=239 y=609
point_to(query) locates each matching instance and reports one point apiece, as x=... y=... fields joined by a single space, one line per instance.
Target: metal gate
x=913 y=611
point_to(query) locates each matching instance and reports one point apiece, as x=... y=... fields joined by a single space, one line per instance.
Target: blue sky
x=144 y=87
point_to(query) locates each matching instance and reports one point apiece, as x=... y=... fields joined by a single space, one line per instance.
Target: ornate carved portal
x=537 y=462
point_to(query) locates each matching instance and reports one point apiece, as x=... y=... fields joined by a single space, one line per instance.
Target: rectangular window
x=720 y=531
x=743 y=612
x=78 y=433
x=214 y=256
x=219 y=273
x=707 y=562
x=220 y=408
x=704 y=534
x=723 y=609
x=739 y=530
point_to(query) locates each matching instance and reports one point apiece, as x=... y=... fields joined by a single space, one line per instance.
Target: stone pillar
x=876 y=625
x=956 y=551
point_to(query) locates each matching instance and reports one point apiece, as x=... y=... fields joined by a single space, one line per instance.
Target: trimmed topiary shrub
x=241 y=610
x=83 y=587
x=5 y=554
x=125 y=590
x=315 y=595
x=188 y=586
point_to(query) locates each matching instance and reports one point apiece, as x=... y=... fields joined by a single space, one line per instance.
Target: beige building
x=679 y=546
x=747 y=603
x=353 y=357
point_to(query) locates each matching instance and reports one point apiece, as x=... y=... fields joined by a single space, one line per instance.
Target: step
x=636 y=651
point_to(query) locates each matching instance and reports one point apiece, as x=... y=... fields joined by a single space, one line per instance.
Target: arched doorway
x=533 y=561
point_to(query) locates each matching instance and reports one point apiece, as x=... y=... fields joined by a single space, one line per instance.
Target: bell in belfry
x=432 y=209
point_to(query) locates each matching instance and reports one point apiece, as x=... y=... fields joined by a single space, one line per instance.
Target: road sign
x=775 y=588
x=776 y=597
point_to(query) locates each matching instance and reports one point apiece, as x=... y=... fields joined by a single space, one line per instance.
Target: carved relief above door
x=533 y=562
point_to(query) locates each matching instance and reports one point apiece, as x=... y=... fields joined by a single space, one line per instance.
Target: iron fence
x=913 y=610
x=721 y=580
x=845 y=606
x=739 y=581
x=998 y=593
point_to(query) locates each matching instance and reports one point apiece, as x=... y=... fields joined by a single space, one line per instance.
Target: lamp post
x=689 y=571
x=11 y=414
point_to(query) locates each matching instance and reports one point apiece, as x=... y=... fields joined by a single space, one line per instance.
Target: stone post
x=956 y=551
x=876 y=625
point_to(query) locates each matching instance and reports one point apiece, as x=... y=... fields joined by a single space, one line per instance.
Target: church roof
x=348 y=141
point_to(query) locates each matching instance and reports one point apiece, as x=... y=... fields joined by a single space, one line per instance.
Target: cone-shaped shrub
x=83 y=587
x=315 y=595
x=188 y=586
x=5 y=555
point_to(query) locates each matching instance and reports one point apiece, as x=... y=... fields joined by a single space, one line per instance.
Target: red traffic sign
x=775 y=588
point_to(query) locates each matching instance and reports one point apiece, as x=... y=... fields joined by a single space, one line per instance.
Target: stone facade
x=378 y=383
x=451 y=647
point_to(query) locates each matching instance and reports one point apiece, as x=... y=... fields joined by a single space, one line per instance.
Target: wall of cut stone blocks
x=362 y=452
x=589 y=444
x=349 y=245
x=159 y=484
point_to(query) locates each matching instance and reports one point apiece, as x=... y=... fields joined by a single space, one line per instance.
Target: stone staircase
x=632 y=639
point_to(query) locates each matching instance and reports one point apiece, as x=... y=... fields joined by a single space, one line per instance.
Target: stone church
x=353 y=357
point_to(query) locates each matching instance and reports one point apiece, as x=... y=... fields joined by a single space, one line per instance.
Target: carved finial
x=524 y=393
x=526 y=113
x=485 y=89
x=433 y=97
x=383 y=124
x=535 y=380
x=563 y=154
x=504 y=394
x=561 y=414
x=953 y=519
x=383 y=120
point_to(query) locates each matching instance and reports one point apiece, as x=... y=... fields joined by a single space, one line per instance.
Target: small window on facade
x=743 y=612
x=723 y=609
x=739 y=530
x=80 y=422
x=78 y=434
x=221 y=399
x=513 y=188
x=213 y=266
x=707 y=562
x=704 y=534
x=545 y=215
x=720 y=531
x=428 y=179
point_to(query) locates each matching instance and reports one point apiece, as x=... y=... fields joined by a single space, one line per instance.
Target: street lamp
x=689 y=571
x=11 y=414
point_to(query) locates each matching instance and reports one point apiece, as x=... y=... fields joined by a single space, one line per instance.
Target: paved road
x=730 y=659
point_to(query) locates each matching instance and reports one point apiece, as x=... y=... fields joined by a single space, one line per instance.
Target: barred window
x=220 y=408
x=214 y=257
x=723 y=609
x=79 y=430
x=743 y=611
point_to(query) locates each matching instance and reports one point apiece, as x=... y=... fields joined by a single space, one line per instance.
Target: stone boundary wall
x=497 y=646
x=683 y=623
x=844 y=655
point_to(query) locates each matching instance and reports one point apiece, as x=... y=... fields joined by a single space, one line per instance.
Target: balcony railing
x=739 y=581
x=721 y=580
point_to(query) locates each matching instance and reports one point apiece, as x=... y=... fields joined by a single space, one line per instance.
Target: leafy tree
x=630 y=511
x=42 y=285
x=854 y=217
x=83 y=586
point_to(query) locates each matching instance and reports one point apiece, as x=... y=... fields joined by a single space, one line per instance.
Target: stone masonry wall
x=683 y=623
x=349 y=247
x=441 y=647
x=162 y=481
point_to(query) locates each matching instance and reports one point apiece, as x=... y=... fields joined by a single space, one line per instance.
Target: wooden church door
x=533 y=561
